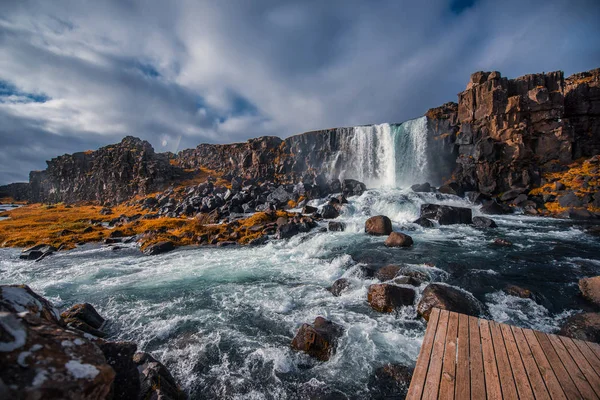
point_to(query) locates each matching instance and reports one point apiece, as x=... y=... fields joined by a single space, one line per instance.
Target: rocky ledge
x=45 y=355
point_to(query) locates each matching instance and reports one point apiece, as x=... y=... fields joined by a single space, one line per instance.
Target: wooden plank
x=595 y=348
x=552 y=384
x=449 y=368
x=432 y=382
x=522 y=382
x=584 y=366
x=564 y=379
x=463 y=384
x=477 y=375
x=507 y=382
x=589 y=355
x=492 y=380
x=417 y=382
x=533 y=373
x=571 y=366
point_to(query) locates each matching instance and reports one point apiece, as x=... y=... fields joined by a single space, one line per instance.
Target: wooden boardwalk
x=464 y=357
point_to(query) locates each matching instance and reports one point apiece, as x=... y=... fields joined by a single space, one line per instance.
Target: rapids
x=222 y=318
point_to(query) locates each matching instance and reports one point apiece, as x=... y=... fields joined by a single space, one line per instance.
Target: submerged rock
x=421 y=188
x=339 y=286
x=379 y=225
x=424 y=222
x=159 y=248
x=446 y=215
x=398 y=239
x=502 y=242
x=390 y=381
x=329 y=212
x=590 y=289
x=449 y=298
x=584 y=326
x=518 y=291
x=387 y=273
x=385 y=297
x=484 y=222
x=318 y=340
x=336 y=226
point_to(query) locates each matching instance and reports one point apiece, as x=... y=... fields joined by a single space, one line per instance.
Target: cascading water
x=385 y=155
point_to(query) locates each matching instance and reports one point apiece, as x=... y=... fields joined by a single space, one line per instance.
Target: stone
x=352 y=187
x=518 y=291
x=318 y=340
x=20 y=298
x=390 y=381
x=339 y=286
x=491 y=207
x=287 y=231
x=483 y=222
x=119 y=355
x=379 y=225
x=421 y=188
x=387 y=273
x=159 y=248
x=451 y=188
x=511 y=194
x=156 y=382
x=580 y=214
x=84 y=312
x=502 y=242
x=424 y=222
x=385 y=297
x=569 y=200
x=584 y=326
x=336 y=226
x=407 y=280
x=446 y=215
x=445 y=297
x=37 y=252
x=309 y=210
x=398 y=239
x=590 y=289
x=329 y=212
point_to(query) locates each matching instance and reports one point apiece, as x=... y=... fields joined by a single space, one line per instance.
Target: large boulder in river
x=379 y=225
x=20 y=298
x=484 y=222
x=421 y=187
x=85 y=318
x=37 y=252
x=329 y=212
x=445 y=297
x=385 y=297
x=159 y=248
x=398 y=239
x=390 y=381
x=318 y=340
x=491 y=207
x=590 y=289
x=584 y=326
x=446 y=215
x=424 y=222
x=42 y=360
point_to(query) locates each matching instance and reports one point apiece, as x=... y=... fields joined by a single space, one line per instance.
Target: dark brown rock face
x=319 y=339
x=391 y=381
x=113 y=174
x=590 y=289
x=448 y=298
x=584 y=326
x=398 y=239
x=379 y=225
x=384 y=297
x=510 y=131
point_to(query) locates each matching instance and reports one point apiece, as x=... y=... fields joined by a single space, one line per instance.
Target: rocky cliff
x=113 y=173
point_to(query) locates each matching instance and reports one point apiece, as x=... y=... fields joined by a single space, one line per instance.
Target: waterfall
x=384 y=155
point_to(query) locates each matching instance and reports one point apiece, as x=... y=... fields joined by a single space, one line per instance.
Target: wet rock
x=421 y=188
x=227 y=243
x=287 y=231
x=407 y=280
x=156 y=382
x=159 y=248
x=518 y=291
x=42 y=360
x=84 y=312
x=339 y=286
x=424 y=222
x=379 y=225
x=437 y=295
x=337 y=226
x=387 y=273
x=502 y=242
x=584 y=326
x=493 y=208
x=415 y=273
x=318 y=340
x=451 y=188
x=398 y=239
x=119 y=355
x=390 y=381
x=385 y=297
x=106 y=211
x=578 y=214
x=483 y=222
x=590 y=289
x=309 y=210
x=512 y=194
x=446 y=215
x=569 y=200
x=329 y=212
x=20 y=298
x=351 y=187
x=37 y=252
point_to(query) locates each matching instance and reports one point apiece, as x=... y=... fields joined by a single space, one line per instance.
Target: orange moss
x=292 y=204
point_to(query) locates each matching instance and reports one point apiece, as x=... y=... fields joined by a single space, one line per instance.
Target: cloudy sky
x=76 y=75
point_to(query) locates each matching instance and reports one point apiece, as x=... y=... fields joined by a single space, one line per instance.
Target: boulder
x=421 y=188
x=491 y=207
x=569 y=200
x=446 y=215
x=390 y=381
x=318 y=340
x=484 y=222
x=590 y=289
x=577 y=214
x=287 y=231
x=511 y=194
x=351 y=187
x=159 y=248
x=20 y=298
x=37 y=252
x=584 y=326
x=119 y=355
x=424 y=222
x=398 y=239
x=84 y=312
x=387 y=273
x=385 y=297
x=42 y=360
x=407 y=280
x=337 y=226
x=451 y=188
x=445 y=297
x=309 y=210
x=379 y=225
x=518 y=291
x=156 y=382
x=339 y=286
x=329 y=212
x=502 y=242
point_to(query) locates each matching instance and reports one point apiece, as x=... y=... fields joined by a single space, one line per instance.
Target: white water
x=385 y=156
